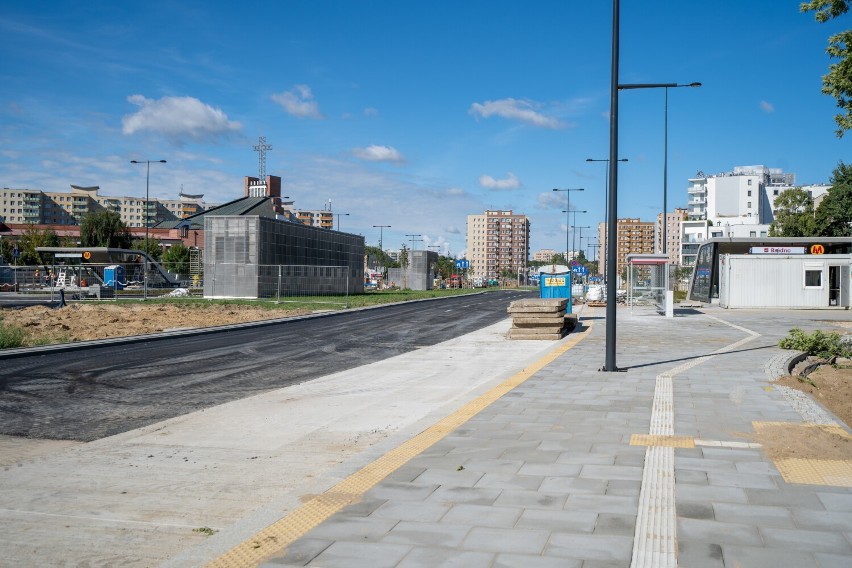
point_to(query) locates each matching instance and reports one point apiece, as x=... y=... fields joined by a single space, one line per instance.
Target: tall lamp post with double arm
x=147 y=215
x=606 y=204
x=567 y=210
x=665 y=87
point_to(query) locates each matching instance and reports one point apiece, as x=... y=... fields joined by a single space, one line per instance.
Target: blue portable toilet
x=555 y=282
x=114 y=277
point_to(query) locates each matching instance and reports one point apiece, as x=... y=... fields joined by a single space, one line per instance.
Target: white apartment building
x=739 y=203
x=496 y=241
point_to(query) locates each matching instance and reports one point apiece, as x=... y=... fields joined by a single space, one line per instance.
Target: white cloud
x=511 y=182
x=767 y=107
x=370 y=111
x=516 y=109
x=454 y=192
x=178 y=118
x=453 y=230
x=375 y=153
x=299 y=101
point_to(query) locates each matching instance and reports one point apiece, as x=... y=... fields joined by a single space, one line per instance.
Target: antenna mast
x=261 y=147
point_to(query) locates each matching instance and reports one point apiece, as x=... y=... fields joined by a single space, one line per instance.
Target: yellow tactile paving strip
x=280 y=534
x=812 y=471
x=661 y=440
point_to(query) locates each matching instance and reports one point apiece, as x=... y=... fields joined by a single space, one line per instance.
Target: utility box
x=114 y=277
x=555 y=282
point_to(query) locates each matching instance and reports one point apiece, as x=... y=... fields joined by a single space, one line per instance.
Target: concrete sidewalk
x=152 y=495
x=569 y=466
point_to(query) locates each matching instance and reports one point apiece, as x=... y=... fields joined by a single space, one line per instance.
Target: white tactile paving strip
x=655 y=539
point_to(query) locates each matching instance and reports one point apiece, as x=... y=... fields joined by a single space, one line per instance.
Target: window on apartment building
x=748 y=205
x=749 y=193
x=775 y=192
x=749 y=182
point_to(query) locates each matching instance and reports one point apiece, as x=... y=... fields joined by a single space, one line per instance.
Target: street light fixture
x=338 y=218
x=147 y=216
x=665 y=87
x=380 y=227
x=573 y=232
x=414 y=238
x=606 y=204
x=567 y=209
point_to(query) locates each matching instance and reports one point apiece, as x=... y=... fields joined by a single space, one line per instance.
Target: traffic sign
x=15 y=252
x=461 y=263
x=580 y=269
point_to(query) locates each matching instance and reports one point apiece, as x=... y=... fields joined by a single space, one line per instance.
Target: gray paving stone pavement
x=546 y=476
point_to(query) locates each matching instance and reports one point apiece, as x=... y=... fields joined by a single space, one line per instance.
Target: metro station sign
x=777 y=250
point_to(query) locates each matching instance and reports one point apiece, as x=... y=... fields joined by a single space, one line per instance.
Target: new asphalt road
x=88 y=393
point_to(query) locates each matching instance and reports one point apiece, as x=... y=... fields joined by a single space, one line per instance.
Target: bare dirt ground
x=830 y=386
x=79 y=322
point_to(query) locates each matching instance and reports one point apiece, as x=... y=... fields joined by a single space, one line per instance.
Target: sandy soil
x=832 y=388
x=79 y=322
x=829 y=386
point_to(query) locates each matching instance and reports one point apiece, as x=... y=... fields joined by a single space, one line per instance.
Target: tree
x=381 y=257
x=33 y=238
x=403 y=264
x=838 y=81
x=834 y=214
x=176 y=259
x=104 y=228
x=155 y=248
x=794 y=214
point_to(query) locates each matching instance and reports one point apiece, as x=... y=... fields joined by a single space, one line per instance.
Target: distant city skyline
x=411 y=116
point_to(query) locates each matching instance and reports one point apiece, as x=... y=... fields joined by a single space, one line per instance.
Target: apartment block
x=544 y=255
x=672 y=247
x=634 y=237
x=497 y=241
x=315 y=218
x=67 y=208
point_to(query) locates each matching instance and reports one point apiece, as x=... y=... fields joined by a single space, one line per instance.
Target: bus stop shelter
x=648 y=282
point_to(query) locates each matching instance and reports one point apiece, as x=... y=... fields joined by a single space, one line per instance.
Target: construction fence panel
x=276 y=281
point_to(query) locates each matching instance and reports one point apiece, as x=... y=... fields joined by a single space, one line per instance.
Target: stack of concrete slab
x=540 y=318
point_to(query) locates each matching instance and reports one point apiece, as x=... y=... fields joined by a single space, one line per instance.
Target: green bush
x=10 y=336
x=818 y=343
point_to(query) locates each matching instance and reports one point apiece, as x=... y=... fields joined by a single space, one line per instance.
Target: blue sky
x=411 y=114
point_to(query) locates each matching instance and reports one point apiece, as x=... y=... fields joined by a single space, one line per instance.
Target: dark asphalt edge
x=92 y=344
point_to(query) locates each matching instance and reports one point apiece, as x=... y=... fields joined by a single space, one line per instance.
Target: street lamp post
x=567 y=210
x=338 y=218
x=606 y=204
x=413 y=238
x=573 y=232
x=147 y=216
x=380 y=227
x=665 y=87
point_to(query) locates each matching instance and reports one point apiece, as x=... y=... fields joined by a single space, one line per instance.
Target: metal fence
x=276 y=281
x=96 y=281
x=109 y=281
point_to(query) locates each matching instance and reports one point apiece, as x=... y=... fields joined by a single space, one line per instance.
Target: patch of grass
x=372 y=298
x=818 y=343
x=206 y=531
x=11 y=336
